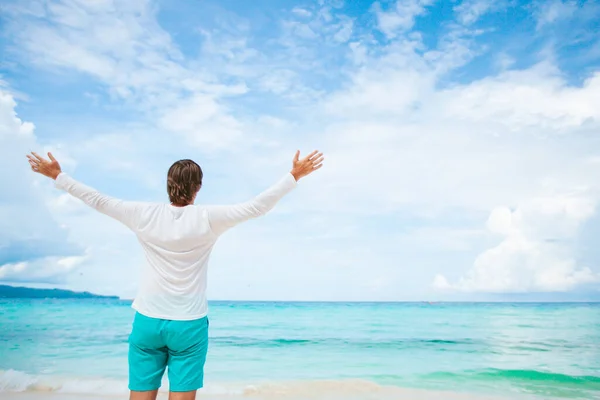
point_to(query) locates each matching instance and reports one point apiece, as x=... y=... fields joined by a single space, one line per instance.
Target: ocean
x=318 y=350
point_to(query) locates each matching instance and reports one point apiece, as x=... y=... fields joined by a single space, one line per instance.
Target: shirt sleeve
x=222 y=218
x=123 y=211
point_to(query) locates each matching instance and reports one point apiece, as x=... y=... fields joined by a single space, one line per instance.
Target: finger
x=315 y=155
x=316 y=167
x=308 y=157
x=297 y=156
x=34 y=163
x=31 y=159
x=51 y=156
x=316 y=161
x=40 y=159
x=34 y=169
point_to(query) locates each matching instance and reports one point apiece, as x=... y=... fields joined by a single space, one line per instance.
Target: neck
x=185 y=205
x=180 y=205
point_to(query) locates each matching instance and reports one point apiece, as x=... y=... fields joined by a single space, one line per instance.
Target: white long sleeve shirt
x=177 y=243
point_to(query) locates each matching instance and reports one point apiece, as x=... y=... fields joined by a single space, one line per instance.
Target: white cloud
x=389 y=85
x=500 y=221
x=469 y=11
x=552 y=11
x=120 y=44
x=534 y=254
x=441 y=283
x=302 y=30
x=273 y=122
x=52 y=270
x=123 y=46
x=278 y=81
x=537 y=98
x=470 y=146
x=345 y=32
x=403 y=146
x=301 y=12
x=329 y=27
x=27 y=229
x=401 y=17
x=11 y=125
x=504 y=61
x=441 y=238
x=520 y=138
x=202 y=120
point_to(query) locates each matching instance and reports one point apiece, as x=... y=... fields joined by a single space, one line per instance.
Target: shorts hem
x=186 y=389
x=144 y=389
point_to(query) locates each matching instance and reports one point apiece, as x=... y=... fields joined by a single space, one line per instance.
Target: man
x=170 y=327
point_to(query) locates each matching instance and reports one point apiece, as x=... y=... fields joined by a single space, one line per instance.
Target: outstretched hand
x=49 y=168
x=307 y=165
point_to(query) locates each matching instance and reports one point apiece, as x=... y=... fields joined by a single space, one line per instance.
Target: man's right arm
x=125 y=212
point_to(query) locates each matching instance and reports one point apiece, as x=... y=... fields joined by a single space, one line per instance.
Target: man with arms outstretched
x=170 y=327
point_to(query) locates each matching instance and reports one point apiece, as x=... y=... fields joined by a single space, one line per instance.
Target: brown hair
x=183 y=182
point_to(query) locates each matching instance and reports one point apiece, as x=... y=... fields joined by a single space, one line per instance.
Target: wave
x=482 y=381
x=244 y=341
x=534 y=375
x=520 y=375
x=17 y=381
x=463 y=345
x=541 y=383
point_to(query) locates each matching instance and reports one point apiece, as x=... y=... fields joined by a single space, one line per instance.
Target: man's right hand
x=49 y=168
x=307 y=165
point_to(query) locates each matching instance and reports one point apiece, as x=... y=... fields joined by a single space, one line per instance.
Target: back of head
x=184 y=180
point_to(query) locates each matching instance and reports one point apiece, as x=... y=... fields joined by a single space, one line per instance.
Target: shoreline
x=291 y=390
x=382 y=394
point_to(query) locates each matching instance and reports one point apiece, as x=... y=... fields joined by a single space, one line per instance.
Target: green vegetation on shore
x=14 y=292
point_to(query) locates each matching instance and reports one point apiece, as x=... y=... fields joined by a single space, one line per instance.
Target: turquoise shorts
x=155 y=344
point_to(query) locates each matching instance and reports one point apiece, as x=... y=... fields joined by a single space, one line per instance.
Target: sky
x=462 y=142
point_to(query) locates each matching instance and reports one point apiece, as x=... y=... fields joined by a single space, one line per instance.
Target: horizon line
x=395 y=301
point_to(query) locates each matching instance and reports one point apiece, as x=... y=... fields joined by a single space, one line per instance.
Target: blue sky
x=462 y=142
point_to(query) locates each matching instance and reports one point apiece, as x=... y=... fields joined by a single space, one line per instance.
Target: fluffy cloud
x=401 y=17
x=535 y=252
x=471 y=146
x=469 y=11
x=552 y=11
x=481 y=184
x=122 y=46
x=203 y=121
x=29 y=236
x=523 y=137
x=537 y=98
x=301 y=12
x=49 y=270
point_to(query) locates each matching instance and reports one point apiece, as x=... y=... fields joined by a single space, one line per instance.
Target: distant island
x=13 y=292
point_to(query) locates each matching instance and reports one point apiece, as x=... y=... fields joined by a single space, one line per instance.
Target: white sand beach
x=404 y=394
x=314 y=390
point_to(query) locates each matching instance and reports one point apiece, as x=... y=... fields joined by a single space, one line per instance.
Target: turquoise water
x=537 y=350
